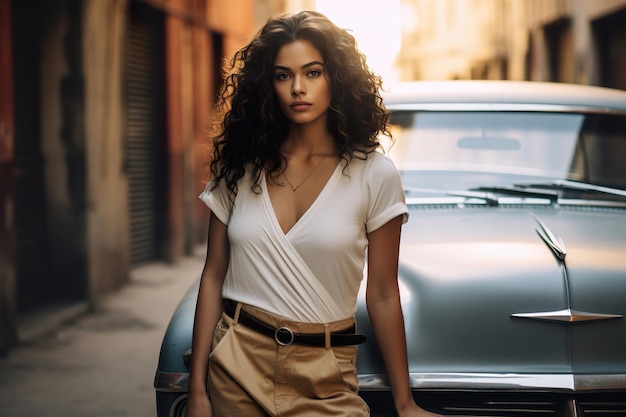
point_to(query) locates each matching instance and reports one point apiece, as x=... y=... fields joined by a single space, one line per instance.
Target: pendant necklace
x=295 y=187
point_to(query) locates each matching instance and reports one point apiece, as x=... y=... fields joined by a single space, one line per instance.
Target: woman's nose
x=297 y=87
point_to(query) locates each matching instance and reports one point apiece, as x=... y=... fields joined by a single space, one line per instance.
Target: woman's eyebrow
x=310 y=64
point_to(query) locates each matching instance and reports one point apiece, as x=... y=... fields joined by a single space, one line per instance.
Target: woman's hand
x=413 y=410
x=199 y=406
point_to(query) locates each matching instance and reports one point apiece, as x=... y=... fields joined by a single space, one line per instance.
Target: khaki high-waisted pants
x=251 y=375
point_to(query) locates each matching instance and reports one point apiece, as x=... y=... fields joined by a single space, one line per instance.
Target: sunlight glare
x=375 y=24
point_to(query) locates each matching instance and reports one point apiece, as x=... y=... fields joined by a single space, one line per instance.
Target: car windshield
x=476 y=150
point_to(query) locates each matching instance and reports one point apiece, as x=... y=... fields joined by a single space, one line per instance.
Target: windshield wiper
x=573 y=186
x=487 y=197
x=543 y=190
x=519 y=191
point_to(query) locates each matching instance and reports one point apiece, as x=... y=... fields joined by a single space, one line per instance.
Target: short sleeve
x=217 y=199
x=385 y=193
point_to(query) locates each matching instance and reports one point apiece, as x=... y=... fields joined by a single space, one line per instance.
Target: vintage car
x=513 y=263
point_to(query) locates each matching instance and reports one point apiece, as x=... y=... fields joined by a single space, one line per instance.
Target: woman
x=298 y=192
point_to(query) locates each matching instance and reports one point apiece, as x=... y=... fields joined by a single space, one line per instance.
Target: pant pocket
x=221 y=329
x=345 y=358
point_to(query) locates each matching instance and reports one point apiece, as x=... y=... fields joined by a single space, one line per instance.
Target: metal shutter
x=144 y=131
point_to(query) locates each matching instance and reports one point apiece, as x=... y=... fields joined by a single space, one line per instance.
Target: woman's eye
x=282 y=77
x=314 y=73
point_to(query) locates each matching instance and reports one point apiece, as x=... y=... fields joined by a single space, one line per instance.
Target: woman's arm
x=385 y=312
x=208 y=311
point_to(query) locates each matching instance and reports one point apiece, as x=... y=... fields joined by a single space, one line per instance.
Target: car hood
x=483 y=292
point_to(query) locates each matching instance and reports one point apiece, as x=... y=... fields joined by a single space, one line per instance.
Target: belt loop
x=237 y=312
x=326 y=336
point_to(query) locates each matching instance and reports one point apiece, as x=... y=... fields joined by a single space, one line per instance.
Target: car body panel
x=452 y=262
x=177 y=339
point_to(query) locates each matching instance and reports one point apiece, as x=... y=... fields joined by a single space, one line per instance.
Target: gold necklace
x=295 y=187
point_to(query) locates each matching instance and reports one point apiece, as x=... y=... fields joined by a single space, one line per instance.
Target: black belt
x=284 y=336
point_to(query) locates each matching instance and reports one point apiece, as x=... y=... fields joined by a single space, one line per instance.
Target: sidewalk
x=102 y=364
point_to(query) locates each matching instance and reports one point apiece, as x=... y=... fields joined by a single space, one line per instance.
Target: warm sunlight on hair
x=375 y=24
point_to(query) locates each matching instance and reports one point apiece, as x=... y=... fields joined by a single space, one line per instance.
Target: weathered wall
x=107 y=188
x=235 y=19
x=63 y=145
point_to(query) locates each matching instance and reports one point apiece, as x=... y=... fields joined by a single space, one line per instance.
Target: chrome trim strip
x=177 y=382
x=171 y=381
x=503 y=107
x=510 y=382
x=567 y=316
x=477 y=201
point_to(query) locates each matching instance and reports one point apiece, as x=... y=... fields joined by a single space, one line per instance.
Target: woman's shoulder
x=373 y=162
x=381 y=158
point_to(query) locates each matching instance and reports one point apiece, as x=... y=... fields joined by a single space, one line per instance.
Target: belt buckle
x=284 y=331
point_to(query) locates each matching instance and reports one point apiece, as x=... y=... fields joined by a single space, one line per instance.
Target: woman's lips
x=300 y=106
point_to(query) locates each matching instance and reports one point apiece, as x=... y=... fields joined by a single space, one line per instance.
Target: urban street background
x=101 y=364
x=104 y=109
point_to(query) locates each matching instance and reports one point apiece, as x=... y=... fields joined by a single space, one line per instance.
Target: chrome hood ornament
x=567 y=315
x=556 y=244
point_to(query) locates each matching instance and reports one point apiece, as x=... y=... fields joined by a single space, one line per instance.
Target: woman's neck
x=309 y=140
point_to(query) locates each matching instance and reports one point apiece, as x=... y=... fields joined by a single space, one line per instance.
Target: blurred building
x=103 y=134
x=579 y=41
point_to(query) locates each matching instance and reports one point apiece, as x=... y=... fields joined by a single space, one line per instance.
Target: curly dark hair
x=253 y=127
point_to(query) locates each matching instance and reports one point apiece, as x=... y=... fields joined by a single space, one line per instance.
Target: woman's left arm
x=385 y=312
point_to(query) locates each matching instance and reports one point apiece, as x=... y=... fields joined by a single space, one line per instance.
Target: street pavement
x=100 y=364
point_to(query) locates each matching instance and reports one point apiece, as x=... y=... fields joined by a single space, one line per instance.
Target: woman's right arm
x=208 y=311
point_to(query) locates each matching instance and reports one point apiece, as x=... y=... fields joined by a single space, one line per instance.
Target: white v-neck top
x=313 y=272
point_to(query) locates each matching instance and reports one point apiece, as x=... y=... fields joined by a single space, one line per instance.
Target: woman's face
x=300 y=83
